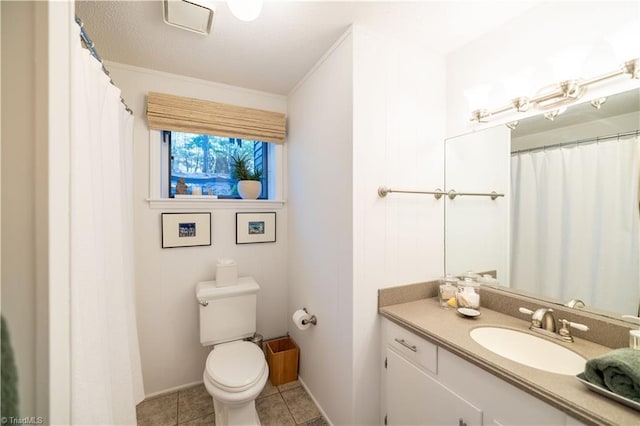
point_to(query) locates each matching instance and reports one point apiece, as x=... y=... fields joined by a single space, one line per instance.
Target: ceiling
x=276 y=50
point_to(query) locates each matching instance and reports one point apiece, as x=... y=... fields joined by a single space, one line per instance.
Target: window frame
x=159 y=197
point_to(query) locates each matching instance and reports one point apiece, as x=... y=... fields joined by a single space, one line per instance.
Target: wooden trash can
x=282 y=357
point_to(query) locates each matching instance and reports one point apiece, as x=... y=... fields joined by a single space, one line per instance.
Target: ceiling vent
x=193 y=15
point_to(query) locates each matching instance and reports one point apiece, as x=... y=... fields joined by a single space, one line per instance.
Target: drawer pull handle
x=461 y=422
x=406 y=345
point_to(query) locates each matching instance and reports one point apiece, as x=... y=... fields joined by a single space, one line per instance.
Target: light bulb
x=624 y=42
x=520 y=83
x=568 y=64
x=245 y=10
x=477 y=96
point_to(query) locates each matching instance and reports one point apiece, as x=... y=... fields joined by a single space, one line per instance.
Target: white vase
x=249 y=189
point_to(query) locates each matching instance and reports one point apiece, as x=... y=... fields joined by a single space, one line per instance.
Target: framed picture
x=186 y=229
x=255 y=228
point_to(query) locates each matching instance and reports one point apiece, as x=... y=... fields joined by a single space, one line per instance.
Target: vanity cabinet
x=412 y=392
x=424 y=384
x=416 y=398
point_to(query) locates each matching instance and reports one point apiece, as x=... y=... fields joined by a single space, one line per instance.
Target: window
x=193 y=139
x=205 y=163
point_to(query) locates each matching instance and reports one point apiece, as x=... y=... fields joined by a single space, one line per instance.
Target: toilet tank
x=230 y=312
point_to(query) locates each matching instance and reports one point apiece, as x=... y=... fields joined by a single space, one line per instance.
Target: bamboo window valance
x=169 y=112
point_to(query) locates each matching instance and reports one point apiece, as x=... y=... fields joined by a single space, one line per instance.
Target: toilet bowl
x=234 y=375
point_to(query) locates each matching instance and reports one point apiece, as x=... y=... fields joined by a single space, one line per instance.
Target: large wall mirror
x=568 y=225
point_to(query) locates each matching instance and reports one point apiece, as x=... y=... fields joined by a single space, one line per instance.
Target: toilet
x=236 y=370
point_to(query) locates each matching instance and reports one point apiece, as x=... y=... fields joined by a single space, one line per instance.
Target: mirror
x=568 y=226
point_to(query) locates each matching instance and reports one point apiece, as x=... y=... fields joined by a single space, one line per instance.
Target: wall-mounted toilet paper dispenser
x=303 y=320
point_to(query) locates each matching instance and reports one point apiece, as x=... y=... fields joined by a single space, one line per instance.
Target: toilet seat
x=235 y=366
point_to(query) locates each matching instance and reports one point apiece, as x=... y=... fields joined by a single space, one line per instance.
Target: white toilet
x=236 y=370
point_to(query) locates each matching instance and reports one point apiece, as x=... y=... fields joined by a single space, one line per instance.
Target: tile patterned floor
x=287 y=404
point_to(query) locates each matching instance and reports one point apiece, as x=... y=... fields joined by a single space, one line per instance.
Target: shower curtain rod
x=578 y=142
x=91 y=48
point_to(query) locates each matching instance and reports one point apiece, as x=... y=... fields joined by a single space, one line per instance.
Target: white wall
x=167 y=311
x=320 y=265
x=398 y=141
x=369 y=114
x=27 y=69
x=18 y=185
x=531 y=41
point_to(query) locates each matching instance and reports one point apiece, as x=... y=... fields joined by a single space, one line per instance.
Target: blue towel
x=617 y=371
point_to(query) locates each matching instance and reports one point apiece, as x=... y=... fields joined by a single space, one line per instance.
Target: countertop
x=450 y=331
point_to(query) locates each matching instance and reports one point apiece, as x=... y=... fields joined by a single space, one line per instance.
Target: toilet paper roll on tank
x=301 y=319
x=226 y=272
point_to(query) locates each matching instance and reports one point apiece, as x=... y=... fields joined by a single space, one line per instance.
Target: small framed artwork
x=255 y=228
x=186 y=229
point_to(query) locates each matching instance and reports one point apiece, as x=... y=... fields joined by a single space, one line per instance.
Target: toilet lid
x=236 y=365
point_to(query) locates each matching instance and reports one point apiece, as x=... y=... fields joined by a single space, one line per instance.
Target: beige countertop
x=450 y=331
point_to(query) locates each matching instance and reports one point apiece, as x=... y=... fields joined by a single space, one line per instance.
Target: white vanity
x=427 y=385
x=434 y=373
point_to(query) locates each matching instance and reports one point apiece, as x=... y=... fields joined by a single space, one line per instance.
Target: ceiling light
x=245 y=10
x=192 y=15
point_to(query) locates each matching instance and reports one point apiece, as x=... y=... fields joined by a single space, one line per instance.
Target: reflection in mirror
x=573 y=215
x=477 y=238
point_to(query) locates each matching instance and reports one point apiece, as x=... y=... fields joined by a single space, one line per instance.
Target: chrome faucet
x=543 y=322
x=543 y=318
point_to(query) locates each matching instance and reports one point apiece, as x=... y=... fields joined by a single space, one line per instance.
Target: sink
x=530 y=350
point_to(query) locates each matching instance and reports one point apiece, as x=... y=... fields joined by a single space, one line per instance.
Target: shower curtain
x=106 y=379
x=575 y=223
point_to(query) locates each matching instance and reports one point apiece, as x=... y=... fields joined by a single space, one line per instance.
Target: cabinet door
x=501 y=402
x=415 y=398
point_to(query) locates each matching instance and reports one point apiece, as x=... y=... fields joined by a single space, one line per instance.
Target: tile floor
x=287 y=404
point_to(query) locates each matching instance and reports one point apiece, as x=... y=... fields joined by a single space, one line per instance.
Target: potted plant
x=249 y=181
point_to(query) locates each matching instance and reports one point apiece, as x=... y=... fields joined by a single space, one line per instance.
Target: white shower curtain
x=106 y=379
x=575 y=223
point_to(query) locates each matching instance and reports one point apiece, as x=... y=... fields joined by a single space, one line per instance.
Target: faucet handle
x=565 y=333
x=575 y=325
x=525 y=311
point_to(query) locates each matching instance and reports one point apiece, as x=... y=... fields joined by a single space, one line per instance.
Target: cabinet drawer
x=413 y=347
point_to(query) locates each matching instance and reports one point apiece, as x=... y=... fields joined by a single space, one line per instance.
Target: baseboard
x=315 y=401
x=171 y=390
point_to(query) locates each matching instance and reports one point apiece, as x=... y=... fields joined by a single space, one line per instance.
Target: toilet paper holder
x=312 y=320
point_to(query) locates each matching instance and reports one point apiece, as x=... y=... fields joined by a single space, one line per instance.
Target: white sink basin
x=529 y=350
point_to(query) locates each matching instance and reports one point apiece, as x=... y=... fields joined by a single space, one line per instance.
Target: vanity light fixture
x=597 y=103
x=632 y=67
x=521 y=104
x=480 y=115
x=564 y=92
x=512 y=124
x=551 y=115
